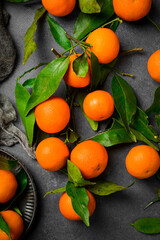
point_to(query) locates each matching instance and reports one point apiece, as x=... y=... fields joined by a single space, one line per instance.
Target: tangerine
x=154 y=66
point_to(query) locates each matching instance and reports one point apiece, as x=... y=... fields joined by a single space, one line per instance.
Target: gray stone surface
x=113 y=214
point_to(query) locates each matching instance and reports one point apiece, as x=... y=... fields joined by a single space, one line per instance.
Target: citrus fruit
x=104 y=44
x=154 y=66
x=52 y=154
x=131 y=10
x=142 y=161
x=52 y=115
x=59 y=8
x=72 y=79
x=98 y=105
x=90 y=157
x=8 y=186
x=15 y=223
x=65 y=206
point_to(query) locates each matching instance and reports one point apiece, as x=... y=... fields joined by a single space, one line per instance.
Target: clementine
x=154 y=66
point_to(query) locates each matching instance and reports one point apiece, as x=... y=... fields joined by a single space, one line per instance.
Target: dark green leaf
x=22 y=97
x=148 y=225
x=4 y=227
x=114 y=25
x=157 y=117
x=155 y=107
x=89 y=6
x=47 y=82
x=59 y=190
x=80 y=65
x=105 y=70
x=158 y=174
x=141 y=124
x=88 y=22
x=80 y=200
x=81 y=97
x=29 y=83
x=125 y=102
x=22 y=184
x=73 y=136
x=58 y=33
x=17 y=210
x=7 y=164
x=30 y=45
x=103 y=188
x=96 y=71
x=117 y=134
x=75 y=176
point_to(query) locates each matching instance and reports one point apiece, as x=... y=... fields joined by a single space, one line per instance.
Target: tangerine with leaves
x=131 y=10
x=153 y=66
x=72 y=79
x=52 y=154
x=104 y=44
x=142 y=161
x=66 y=208
x=52 y=115
x=8 y=186
x=59 y=8
x=15 y=223
x=98 y=105
x=90 y=157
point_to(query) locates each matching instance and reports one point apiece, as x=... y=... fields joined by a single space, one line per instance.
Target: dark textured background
x=113 y=214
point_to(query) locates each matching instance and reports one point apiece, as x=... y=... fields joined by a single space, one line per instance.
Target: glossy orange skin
x=59 y=8
x=98 y=105
x=131 y=10
x=72 y=79
x=52 y=154
x=90 y=157
x=8 y=186
x=52 y=115
x=153 y=66
x=142 y=161
x=65 y=206
x=15 y=223
x=105 y=44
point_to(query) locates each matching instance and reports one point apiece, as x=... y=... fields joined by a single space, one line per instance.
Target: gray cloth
x=9 y=133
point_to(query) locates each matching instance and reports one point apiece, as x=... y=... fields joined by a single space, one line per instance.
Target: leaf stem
x=56 y=53
x=155 y=24
x=81 y=43
x=123 y=73
x=112 y=21
x=148 y=205
x=132 y=50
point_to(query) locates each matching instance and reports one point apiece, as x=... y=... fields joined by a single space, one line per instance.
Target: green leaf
x=47 y=82
x=4 y=227
x=80 y=200
x=73 y=136
x=96 y=71
x=22 y=184
x=58 y=33
x=117 y=134
x=22 y=97
x=86 y=23
x=141 y=124
x=155 y=107
x=106 y=69
x=75 y=176
x=114 y=26
x=7 y=164
x=80 y=65
x=59 y=190
x=81 y=97
x=89 y=6
x=148 y=225
x=125 y=101
x=17 y=210
x=104 y=188
x=157 y=117
x=28 y=83
x=30 y=45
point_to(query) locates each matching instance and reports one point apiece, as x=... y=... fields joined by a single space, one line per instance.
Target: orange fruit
x=65 y=206
x=98 y=105
x=90 y=157
x=72 y=79
x=154 y=65
x=15 y=223
x=8 y=186
x=131 y=10
x=142 y=161
x=104 y=44
x=59 y=8
x=52 y=154
x=52 y=115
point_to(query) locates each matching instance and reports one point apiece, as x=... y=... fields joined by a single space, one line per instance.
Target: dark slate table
x=113 y=214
